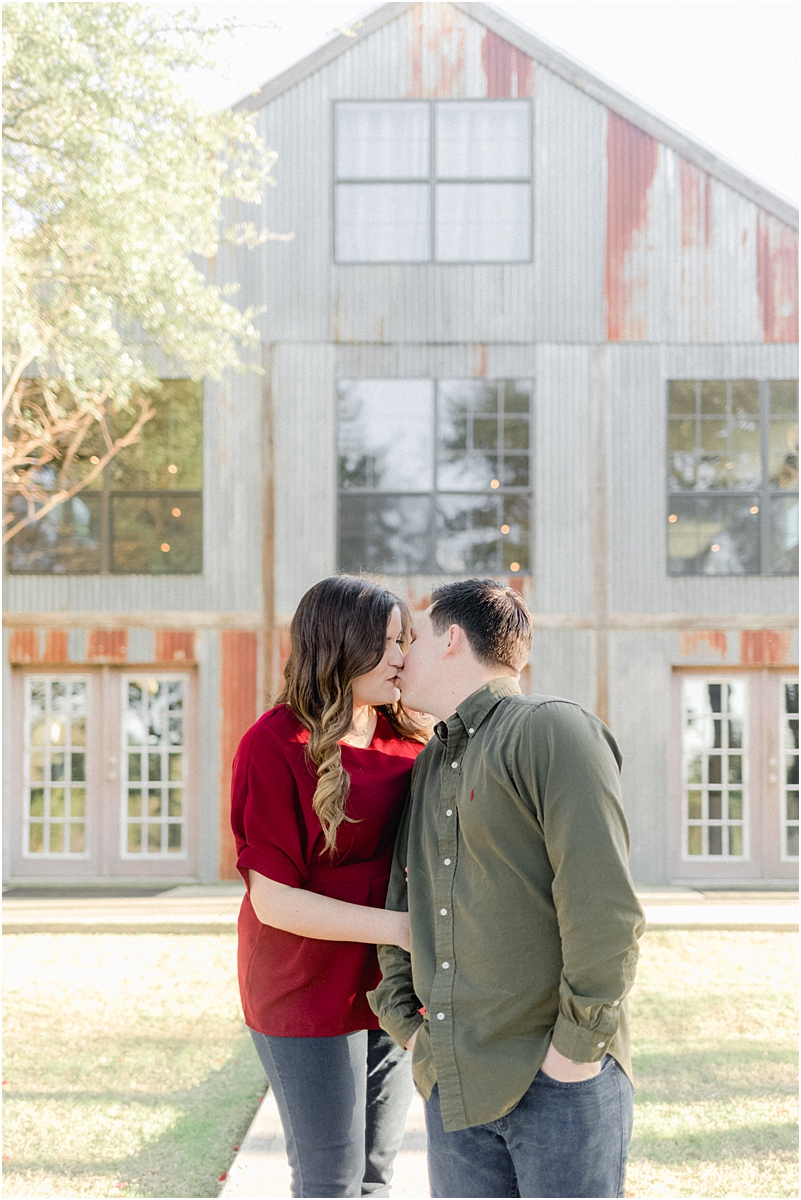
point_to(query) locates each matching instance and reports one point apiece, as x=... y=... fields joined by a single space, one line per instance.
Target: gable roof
x=567 y=68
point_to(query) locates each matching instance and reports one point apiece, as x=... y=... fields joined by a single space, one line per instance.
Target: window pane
x=745 y=397
x=385 y=534
x=713 y=535
x=169 y=453
x=386 y=433
x=783 y=453
x=483 y=140
x=483 y=222
x=468 y=534
x=713 y=397
x=65 y=541
x=681 y=397
x=784 y=535
x=382 y=141
x=383 y=222
x=468 y=432
x=157 y=535
x=784 y=397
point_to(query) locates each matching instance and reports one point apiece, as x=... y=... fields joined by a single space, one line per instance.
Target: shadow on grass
x=186 y=1160
x=733 y=1069
x=716 y=1145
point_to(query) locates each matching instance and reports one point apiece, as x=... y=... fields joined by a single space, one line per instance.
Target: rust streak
x=632 y=157
x=175 y=645
x=238 y=671
x=508 y=71
x=764 y=647
x=777 y=279
x=690 y=643
x=23 y=646
x=56 y=646
x=416 y=52
x=480 y=363
x=108 y=645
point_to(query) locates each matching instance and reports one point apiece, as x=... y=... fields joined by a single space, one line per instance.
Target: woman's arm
x=311 y=915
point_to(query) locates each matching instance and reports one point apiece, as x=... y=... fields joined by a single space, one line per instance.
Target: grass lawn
x=129 y=1071
x=715 y=1060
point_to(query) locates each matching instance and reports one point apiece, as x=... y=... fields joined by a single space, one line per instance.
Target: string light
x=495 y=483
x=716 y=547
x=515 y=566
x=504 y=528
x=754 y=509
x=176 y=512
x=673 y=518
x=165 y=546
x=172 y=469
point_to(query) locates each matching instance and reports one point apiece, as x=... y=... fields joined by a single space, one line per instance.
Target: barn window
x=789 y=769
x=441 y=181
x=153 y=808
x=434 y=476
x=55 y=750
x=732 y=477
x=714 y=771
x=143 y=515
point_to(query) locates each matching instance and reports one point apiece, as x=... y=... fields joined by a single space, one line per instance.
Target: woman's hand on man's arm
x=310 y=915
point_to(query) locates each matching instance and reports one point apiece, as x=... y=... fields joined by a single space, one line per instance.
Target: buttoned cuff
x=400 y=1026
x=579 y=1044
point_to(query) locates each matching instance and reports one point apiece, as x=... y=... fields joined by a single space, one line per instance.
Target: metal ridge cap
x=599 y=88
x=374 y=19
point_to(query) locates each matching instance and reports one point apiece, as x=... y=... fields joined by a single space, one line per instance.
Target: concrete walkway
x=213 y=908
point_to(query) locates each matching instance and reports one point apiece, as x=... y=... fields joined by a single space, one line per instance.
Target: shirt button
x=470 y=732
x=447 y=862
x=448 y=812
x=443 y=912
x=454 y=765
x=601 y=1045
x=440 y=1016
x=445 y=966
x=615 y=1003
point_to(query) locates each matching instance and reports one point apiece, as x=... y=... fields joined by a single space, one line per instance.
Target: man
x=512 y=862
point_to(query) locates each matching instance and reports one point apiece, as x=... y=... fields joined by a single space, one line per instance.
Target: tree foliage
x=111 y=211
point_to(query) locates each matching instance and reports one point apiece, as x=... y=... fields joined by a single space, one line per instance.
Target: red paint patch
x=472 y=796
x=175 y=645
x=108 y=645
x=508 y=71
x=777 y=279
x=764 y=647
x=238 y=651
x=56 y=646
x=690 y=643
x=480 y=364
x=632 y=157
x=23 y=646
x=436 y=51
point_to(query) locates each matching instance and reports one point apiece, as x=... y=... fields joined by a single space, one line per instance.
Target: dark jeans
x=561 y=1139
x=343 y=1103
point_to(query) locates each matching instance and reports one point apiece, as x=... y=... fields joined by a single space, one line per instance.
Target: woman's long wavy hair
x=338 y=633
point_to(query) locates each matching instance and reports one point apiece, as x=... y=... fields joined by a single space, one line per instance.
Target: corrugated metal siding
x=305 y=470
x=637 y=480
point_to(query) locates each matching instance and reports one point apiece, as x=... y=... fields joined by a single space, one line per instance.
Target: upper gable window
x=433 y=181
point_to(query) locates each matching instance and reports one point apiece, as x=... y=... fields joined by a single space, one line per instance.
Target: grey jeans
x=343 y=1103
x=560 y=1139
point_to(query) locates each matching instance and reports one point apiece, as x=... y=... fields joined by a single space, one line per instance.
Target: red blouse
x=294 y=986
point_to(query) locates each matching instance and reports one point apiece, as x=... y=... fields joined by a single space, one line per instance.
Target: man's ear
x=455 y=641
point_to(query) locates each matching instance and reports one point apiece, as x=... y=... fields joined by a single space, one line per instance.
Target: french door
x=106 y=781
x=735 y=776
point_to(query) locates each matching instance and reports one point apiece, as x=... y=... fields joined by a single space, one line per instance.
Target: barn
x=525 y=328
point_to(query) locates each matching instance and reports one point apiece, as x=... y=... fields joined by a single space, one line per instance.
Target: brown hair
x=494 y=617
x=338 y=633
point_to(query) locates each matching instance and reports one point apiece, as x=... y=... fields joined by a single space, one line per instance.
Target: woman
x=319 y=784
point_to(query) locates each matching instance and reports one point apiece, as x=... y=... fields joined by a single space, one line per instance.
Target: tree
x=111 y=212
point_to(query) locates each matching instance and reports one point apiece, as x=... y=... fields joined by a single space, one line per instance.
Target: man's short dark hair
x=494 y=617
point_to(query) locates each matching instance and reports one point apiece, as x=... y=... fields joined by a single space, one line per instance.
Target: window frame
x=763 y=490
x=434 y=492
x=431 y=183
x=126 y=856
x=785 y=822
x=49 y=856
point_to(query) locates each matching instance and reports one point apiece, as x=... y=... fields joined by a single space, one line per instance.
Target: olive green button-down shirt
x=512 y=860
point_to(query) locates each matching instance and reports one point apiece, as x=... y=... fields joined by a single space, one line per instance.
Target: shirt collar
x=478 y=705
